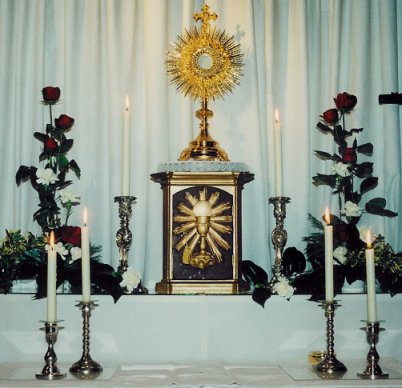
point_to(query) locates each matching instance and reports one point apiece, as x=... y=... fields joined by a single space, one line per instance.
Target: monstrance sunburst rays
x=204 y=63
x=192 y=234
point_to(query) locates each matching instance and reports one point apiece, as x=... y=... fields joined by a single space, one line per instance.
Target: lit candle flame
x=277 y=115
x=327 y=218
x=51 y=240
x=85 y=217
x=127 y=103
x=368 y=239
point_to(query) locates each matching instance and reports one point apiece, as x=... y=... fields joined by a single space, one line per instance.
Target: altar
x=198 y=340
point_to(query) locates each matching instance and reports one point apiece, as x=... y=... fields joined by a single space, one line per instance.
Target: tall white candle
x=125 y=178
x=329 y=260
x=278 y=154
x=51 y=280
x=85 y=258
x=370 y=276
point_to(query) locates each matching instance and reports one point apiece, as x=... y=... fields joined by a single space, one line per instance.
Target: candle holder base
x=331 y=366
x=86 y=368
x=373 y=370
x=50 y=374
x=50 y=371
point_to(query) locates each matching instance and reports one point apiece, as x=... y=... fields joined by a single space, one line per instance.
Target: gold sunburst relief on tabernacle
x=205 y=64
x=203 y=221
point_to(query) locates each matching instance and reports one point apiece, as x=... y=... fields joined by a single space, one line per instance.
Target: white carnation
x=131 y=279
x=45 y=176
x=283 y=288
x=340 y=253
x=59 y=248
x=67 y=196
x=341 y=169
x=75 y=253
x=352 y=210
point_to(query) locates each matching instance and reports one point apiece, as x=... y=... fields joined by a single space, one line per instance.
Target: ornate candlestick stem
x=50 y=371
x=330 y=366
x=373 y=370
x=279 y=235
x=86 y=367
x=123 y=235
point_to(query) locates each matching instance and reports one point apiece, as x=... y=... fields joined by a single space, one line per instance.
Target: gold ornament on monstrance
x=205 y=64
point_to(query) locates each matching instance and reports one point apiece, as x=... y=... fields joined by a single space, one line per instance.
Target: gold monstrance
x=204 y=63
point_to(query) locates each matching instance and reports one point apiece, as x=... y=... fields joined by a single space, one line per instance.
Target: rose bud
x=50 y=94
x=345 y=101
x=50 y=144
x=349 y=155
x=331 y=116
x=64 y=122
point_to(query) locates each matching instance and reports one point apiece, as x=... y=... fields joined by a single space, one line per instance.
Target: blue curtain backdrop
x=298 y=55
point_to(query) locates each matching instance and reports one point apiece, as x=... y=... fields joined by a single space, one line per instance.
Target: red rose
x=345 y=101
x=50 y=144
x=349 y=155
x=50 y=94
x=70 y=235
x=331 y=116
x=64 y=122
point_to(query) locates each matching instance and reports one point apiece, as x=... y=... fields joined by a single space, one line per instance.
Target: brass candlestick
x=373 y=370
x=330 y=366
x=279 y=235
x=124 y=235
x=86 y=368
x=50 y=371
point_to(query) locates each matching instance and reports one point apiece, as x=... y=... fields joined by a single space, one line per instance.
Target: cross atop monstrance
x=205 y=16
x=204 y=63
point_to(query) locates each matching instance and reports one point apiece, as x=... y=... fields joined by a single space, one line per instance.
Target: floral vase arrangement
x=25 y=256
x=350 y=181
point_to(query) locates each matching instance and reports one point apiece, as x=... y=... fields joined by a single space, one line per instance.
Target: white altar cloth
x=232 y=334
x=201 y=374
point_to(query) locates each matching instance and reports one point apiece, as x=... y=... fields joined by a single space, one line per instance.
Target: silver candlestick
x=50 y=371
x=123 y=235
x=330 y=366
x=86 y=368
x=279 y=235
x=373 y=370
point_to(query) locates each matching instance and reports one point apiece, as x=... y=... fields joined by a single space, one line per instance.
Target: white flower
x=45 y=176
x=283 y=288
x=131 y=279
x=59 y=248
x=67 y=196
x=340 y=253
x=352 y=210
x=75 y=253
x=341 y=169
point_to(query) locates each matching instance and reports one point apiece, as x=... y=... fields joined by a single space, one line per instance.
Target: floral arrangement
x=25 y=256
x=350 y=181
